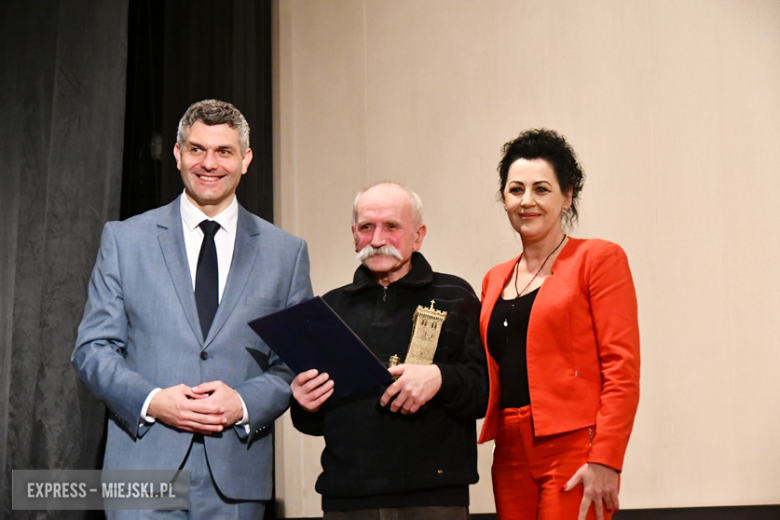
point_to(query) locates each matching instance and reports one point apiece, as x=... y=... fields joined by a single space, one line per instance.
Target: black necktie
x=207 y=277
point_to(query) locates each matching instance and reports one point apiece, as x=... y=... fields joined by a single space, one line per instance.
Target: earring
x=506 y=209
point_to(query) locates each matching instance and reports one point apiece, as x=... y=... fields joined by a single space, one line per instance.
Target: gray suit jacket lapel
x=244 y=255
x=171 y=240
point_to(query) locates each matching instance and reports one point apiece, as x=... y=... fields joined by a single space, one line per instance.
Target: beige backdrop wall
x=674 y=108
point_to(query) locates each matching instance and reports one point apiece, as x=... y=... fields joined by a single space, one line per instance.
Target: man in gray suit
x=164 y=341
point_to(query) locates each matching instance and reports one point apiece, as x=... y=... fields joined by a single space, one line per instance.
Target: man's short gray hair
x=214 y=112
x=415 y=202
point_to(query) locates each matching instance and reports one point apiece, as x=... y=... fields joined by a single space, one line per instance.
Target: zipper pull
x=384 y=294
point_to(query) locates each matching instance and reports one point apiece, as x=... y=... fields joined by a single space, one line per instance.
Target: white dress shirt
x=225 y=241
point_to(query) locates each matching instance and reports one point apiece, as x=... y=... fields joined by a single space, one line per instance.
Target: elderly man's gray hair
x=214 y=112
x=414 y=201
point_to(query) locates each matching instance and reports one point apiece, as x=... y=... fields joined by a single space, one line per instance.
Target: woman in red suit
x=560 y=327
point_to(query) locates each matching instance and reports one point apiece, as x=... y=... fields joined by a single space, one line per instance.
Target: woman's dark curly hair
x=541 y=143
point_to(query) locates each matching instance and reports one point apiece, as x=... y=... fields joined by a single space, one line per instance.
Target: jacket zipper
x=384 y=294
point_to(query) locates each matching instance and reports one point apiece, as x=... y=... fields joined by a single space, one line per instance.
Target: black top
x=507 y=338
x=374 y=458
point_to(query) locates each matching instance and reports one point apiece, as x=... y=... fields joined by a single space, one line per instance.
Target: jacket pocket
x=271 y=303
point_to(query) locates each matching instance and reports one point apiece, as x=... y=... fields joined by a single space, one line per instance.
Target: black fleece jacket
x=375 y=458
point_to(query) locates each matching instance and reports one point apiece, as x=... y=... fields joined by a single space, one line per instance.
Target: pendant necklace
x=517 y=269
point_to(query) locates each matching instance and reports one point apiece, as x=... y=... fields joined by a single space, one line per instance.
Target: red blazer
x=582 y=350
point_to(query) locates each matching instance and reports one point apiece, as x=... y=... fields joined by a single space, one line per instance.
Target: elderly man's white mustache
x=386 y=250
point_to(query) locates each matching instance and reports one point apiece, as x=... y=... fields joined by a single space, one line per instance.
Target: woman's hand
x=600 y=486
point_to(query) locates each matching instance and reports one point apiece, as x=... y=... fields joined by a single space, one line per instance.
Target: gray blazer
x=141 y=331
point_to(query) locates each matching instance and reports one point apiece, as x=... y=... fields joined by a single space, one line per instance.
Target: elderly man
x=408 y=450
x=164 y=341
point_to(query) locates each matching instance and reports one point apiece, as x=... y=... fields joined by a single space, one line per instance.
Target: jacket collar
x=171 y=240
x=420 y=275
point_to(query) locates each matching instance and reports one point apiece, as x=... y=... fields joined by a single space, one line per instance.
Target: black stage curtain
x=221 y=49
x=64 y=85
x=62 y=88
x=180 y=52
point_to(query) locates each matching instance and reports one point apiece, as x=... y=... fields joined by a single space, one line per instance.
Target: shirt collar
x=192 y=216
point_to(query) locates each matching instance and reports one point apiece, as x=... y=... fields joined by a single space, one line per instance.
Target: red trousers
x=529 y=472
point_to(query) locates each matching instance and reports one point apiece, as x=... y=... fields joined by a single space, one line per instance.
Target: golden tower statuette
x=425 y=335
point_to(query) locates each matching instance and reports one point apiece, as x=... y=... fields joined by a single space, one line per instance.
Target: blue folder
x=311 y=335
